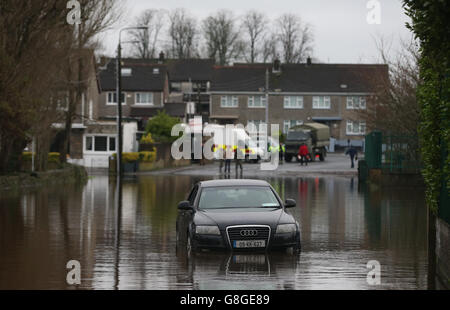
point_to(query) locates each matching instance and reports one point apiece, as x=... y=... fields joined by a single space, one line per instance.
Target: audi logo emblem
x=249 y=233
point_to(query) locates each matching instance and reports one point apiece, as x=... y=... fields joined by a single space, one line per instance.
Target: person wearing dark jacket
x=353 y=153
x=239 y=153
x=303 y=154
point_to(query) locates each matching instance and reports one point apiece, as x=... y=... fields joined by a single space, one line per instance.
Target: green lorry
x=315 y=135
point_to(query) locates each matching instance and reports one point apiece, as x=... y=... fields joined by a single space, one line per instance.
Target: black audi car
x=236 y=215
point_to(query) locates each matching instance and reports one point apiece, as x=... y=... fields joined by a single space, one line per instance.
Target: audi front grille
x=248 y=233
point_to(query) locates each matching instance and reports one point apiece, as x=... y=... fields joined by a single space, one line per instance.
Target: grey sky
x=341 y=32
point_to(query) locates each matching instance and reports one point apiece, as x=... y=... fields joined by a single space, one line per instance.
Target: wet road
x=342 y=228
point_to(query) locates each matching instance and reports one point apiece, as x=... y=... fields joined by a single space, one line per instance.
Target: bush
x=147 y=156
x=52 y=157
x=429 y=22
x=137 y=157
x=160 y=127
x=26 y=156
x=147 y=139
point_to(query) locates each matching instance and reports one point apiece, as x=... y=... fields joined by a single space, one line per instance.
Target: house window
x=175 y=86
x=112 y=98
x=126 y=71
x=62 y=101
x=256 y=101
x=228 y=101
x=321 y=102
x=356 y=128
x=255 y=125
x=112 y=143
x=290 y=123
x=101 y=143
x=144 y=98
x=356 y=102
x=293 y=102
x=89 y=144
x=199 y=87
x=91 y=112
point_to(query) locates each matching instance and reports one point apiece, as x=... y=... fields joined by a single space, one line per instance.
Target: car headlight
x=207 y=230
x=286 y=228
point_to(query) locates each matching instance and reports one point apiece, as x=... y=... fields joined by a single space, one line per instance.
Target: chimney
x=308 y=61
x=161 y=58
x=276 y=66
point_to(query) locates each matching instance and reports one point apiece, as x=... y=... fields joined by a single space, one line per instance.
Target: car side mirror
x=290 y=203
x=185 y=206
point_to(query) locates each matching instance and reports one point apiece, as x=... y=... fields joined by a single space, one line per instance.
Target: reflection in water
x=240 y=271
x=132 y=245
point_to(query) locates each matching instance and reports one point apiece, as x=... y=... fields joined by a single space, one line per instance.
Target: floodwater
x=343 y=227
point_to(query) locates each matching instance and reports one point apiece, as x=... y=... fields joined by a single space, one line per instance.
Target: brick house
x=145 y=90
x=148 y=86
x=333 y=94
x=189 y=82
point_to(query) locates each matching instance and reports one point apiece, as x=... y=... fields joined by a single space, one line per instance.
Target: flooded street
x=343 y=227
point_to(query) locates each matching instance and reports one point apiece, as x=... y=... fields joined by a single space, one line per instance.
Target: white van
x=233 y=136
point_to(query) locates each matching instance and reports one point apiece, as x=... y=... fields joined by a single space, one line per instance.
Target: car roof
x=233 y=182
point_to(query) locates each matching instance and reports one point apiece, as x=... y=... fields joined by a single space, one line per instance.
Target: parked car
x=236 y=215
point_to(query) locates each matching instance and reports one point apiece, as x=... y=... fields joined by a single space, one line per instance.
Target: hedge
x=137 y=157
x=53 y=157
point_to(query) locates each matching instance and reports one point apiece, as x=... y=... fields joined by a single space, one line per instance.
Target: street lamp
x=118 y=95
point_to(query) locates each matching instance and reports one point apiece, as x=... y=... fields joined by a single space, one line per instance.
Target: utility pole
x=118 y=95
x=267 y=100
x=199 y=105
x=119 y=110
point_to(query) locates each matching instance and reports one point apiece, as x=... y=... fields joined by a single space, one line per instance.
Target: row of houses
x=333 y=94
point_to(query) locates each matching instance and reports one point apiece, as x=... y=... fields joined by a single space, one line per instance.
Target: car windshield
x=237 y=197
x=297 y=135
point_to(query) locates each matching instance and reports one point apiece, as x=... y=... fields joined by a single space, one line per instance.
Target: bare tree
x=295 y=37
x=29 y=34
x=254 y=25
x=270 y=50
x=97 y=16
x=183 y=34
x=393 y=108
x=222 y=37
x=147 y=42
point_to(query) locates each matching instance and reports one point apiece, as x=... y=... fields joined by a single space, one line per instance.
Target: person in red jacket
x=303 y=154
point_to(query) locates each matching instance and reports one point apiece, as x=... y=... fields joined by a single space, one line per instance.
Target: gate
x=398 y=154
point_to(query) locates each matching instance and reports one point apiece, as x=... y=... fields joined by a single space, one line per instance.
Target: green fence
x=373 y=149
x=401 y=154
x=393 y=153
